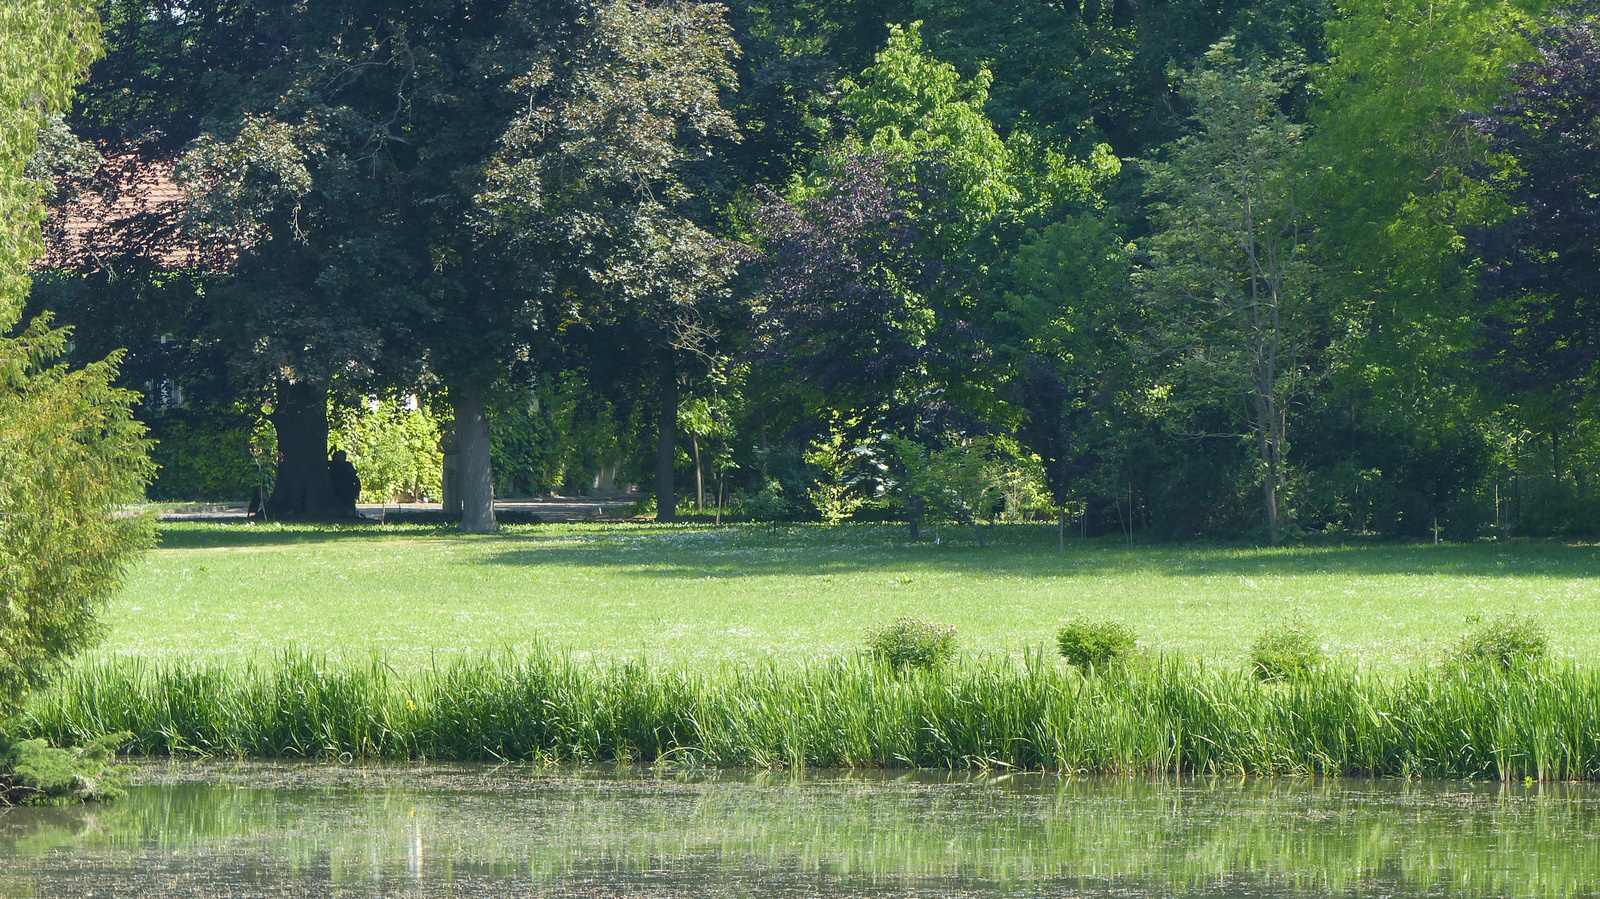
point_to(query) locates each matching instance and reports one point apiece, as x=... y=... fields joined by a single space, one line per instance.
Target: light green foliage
x=837 y=458
x=913 y=643
x=1286 y=650
x=972 y=479
x=71 y=455
x=395 y=449
x=44 y=45
x=911 y=104
x=40 y=774
x=1233 y=277
x=70 y=451
x=1096 y=643
x=1508 y=643
x=1396 y=203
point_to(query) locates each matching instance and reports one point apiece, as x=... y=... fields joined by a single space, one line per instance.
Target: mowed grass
x=697 y=596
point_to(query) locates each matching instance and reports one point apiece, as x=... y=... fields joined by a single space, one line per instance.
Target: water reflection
x=303 y=830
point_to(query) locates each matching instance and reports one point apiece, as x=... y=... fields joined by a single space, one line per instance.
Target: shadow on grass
x=694 y=552
x=1023 y=551
x=230 y=535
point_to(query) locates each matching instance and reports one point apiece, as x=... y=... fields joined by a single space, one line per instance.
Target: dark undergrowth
x=1459 y=720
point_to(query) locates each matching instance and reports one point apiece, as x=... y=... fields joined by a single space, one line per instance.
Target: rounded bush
x=1284 y=651
x=1091 y=643
x=913 y=643
x=1509 y=642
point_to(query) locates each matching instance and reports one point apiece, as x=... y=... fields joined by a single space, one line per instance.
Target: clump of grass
x=913 y=643
x=1096 y=643
x=1174 y=715
x=1508 y=643
x=1286 y=650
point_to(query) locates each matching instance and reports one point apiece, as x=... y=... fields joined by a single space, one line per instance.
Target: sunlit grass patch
x=702 y=595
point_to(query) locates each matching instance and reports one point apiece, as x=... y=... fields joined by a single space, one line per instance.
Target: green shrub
x=71 y=457
x=913 y=643
x=35 y=773
x=203 y=454
x=1285 y=651
x=1089 y=643
x=1508 y=642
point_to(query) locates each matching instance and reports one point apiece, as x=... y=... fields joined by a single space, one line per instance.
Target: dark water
x=266 y=830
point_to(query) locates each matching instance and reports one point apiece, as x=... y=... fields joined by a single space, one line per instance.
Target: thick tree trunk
x=474 y=470
x=450 y=475
x=303 y=489
x=667 y=444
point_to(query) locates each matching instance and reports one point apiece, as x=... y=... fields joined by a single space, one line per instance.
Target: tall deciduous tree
x=586 y=196
x=1542 y=263
x=1232 y=270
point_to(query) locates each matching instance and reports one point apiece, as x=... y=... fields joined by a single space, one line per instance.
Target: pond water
x=259 y=830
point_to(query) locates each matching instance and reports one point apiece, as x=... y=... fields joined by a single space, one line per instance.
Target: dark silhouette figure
x=258 y=504
x=346 y=483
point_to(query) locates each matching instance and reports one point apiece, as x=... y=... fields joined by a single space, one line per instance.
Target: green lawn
x=699 y=595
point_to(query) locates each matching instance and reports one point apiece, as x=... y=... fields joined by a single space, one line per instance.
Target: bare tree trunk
x=699 y=476
x=667 y=442
x=474 y=471
x=302 y=489
x=1269 y=468
x=450 y=474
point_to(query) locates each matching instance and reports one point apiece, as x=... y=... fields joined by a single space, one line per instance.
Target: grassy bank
x=1173 y=715
x=698 y=595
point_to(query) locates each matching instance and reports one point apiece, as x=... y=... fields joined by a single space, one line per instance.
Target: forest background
x=1212 y=268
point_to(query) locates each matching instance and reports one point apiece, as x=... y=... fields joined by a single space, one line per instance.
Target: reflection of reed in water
x=1287 y=836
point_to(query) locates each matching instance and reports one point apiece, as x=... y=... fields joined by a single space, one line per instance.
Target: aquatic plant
x=1173 y=715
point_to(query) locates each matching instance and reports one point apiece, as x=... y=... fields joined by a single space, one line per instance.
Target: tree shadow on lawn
x=245 y=535
x=1023 y=551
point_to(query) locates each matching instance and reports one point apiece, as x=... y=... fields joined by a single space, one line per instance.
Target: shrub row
x=1170 y=715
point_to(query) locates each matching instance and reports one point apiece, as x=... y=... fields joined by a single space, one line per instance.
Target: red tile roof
x=132 y=209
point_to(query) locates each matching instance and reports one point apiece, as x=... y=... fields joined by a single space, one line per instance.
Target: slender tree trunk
x=1269 y=477
x=914 y=512
x=699 y=476
x=474 y=470
x=977 y=530
x=302 y=489
x=667 y=442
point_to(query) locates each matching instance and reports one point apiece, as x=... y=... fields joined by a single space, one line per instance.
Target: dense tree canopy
x=1213 y=267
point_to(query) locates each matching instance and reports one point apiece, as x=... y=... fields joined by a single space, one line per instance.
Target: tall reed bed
x=1173 y=715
